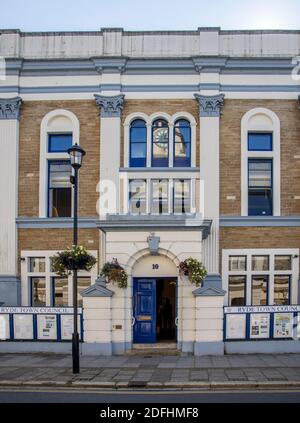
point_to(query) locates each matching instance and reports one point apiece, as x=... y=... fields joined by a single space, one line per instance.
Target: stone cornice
x=110 y=106
x=210 y=106
x=151 y=222
x=10 y=108
x=113 y=65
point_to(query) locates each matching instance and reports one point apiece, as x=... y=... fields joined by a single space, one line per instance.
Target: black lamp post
x=76 y=154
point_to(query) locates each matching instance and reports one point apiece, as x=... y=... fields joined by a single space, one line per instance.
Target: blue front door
x=144 y=311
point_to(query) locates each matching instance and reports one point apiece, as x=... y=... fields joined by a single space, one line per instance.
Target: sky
x=82 y=15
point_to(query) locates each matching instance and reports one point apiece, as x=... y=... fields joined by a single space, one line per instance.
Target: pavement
x=119 y=372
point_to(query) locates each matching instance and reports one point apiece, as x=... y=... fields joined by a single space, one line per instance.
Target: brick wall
x=56 y=239
x=29 y=153
x=258 y=237
x=230 y=149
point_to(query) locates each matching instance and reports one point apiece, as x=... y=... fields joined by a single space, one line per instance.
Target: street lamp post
x=76 y=154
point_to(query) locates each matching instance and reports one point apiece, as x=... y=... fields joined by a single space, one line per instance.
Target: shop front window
x=38 y=292
x=237 y=291
x=60 y=290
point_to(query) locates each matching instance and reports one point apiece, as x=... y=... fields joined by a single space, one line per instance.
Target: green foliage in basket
x=71 y=259
x=194 y=269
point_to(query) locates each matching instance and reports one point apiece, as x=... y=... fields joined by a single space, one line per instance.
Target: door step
x=154 y=349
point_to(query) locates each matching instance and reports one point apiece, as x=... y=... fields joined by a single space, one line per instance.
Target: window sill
x=159 y=169
x=260 y=221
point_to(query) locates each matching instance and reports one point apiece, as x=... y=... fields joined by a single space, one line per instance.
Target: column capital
x=210 y=105
x=10 y=108
x=110 y=106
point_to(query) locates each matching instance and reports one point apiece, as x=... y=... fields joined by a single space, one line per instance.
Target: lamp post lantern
x=76 y=154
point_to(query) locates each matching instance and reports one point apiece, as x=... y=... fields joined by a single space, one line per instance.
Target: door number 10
x=155 y=266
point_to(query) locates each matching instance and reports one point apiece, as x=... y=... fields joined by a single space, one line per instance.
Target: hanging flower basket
x=114 y=272
x=75 y=258
x=194 y=270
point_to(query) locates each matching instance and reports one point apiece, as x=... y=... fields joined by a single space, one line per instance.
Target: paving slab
x=160 y=370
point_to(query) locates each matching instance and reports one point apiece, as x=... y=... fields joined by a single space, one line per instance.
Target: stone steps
x=154 y=349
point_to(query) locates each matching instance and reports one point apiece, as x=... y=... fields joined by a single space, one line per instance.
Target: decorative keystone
x=98 y=289
x=10 y=108
x=110 y=106
x=210 y=106
x=153 y=242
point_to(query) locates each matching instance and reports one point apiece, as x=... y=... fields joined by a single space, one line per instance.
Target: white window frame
x=26 y=275
x=294 y=273
x=149 y=119
x=57 y=121
x=149 y=180
x=260 y=120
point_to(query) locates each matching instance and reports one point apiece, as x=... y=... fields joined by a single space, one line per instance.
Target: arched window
x=59 y=131
x=182 y=143
x=260 y=163
x=160 y=143
x=138 y=143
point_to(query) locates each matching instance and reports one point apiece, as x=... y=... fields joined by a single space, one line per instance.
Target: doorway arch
x=155 y=297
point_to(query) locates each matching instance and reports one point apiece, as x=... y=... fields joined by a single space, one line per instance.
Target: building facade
x=192 y=143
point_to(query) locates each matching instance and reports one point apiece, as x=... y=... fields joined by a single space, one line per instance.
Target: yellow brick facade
x=230 y=153
x=29 y=153
x=259 y=237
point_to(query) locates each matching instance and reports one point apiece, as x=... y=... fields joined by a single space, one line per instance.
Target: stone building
x=192 y=143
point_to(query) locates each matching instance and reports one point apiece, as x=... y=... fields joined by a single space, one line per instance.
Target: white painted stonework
x=9 y=147
x=210 y=174
x=205 y=42
x=131 y=250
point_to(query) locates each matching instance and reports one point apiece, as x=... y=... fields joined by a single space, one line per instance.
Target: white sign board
x=67 y=327
x=38 y=310
x=235 y=326
x=263 y=309
x=4 y=327
x=259 y=326
x=283 y=325
x=23 y=326
x=46 y=326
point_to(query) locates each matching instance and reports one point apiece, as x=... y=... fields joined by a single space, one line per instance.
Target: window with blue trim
x=160 y=143
x=182 y=143
x=260 y=187
x=282 y=290
x=259 y=290
x=138 y=143
x=59 y=189
x=59 y=143
x=237 y=291
x=60 y=292
x=38 y=292
x=260 y=141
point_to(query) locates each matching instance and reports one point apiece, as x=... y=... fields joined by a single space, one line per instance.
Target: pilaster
x=9 y=147
x=111 y=108
x=210 y=112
